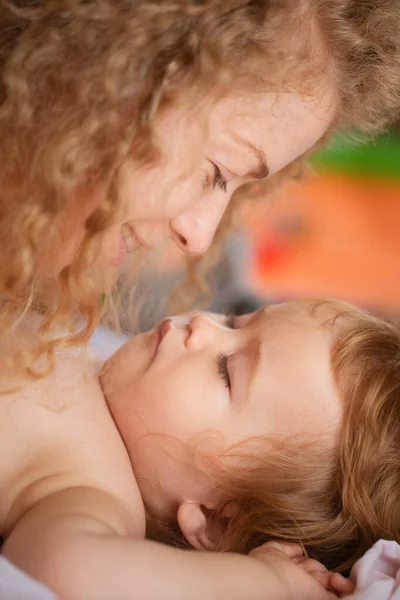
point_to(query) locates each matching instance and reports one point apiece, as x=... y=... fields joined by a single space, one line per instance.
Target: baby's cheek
x=160 y=411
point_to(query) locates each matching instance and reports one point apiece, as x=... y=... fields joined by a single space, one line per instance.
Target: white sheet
x=377 y=573
x=105 y=342
x=16 y=585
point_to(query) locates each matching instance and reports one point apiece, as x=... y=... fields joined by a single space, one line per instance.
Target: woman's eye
x=222 y=364
x=219 y=180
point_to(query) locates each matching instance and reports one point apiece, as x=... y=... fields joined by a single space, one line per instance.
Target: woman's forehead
x=281 y=127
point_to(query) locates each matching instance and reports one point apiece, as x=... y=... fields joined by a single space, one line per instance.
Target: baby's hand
x=331 y=581
x=302 y=578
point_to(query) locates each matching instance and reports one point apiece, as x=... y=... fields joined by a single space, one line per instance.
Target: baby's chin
x=107 y=365
x=109 y=371
x=127 y=364
x=106 y=388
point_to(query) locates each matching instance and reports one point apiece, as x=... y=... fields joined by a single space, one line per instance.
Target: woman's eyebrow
x=261 y=171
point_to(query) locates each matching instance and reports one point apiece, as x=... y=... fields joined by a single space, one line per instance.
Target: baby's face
x=203 y=377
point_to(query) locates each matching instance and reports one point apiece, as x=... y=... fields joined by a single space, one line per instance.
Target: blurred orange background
x=337 y=233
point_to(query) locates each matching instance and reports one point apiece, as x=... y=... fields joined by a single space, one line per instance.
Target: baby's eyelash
x=219 y=179
x=230 y=321
x=222 y=364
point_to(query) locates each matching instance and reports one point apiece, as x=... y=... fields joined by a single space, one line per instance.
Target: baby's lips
x=164 y=328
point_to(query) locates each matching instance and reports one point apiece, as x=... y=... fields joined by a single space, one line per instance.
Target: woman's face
x=202 y=163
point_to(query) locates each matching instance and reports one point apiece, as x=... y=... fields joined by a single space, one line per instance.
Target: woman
x=127 y=123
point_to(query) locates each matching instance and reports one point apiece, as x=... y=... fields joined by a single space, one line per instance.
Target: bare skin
x=204 y=160
x=70 y=502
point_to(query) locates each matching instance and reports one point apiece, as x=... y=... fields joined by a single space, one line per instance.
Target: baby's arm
x=76 y=543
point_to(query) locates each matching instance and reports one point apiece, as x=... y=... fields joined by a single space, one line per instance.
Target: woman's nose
x=194 y=230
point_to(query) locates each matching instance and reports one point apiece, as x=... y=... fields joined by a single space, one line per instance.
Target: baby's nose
x=201 y=331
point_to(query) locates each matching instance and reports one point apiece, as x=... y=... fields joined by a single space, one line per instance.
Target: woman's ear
x=204 y=527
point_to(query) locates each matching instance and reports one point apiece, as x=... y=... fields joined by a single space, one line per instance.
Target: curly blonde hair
x=81 y=83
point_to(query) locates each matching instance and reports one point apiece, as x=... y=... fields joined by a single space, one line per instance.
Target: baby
x=214 y=433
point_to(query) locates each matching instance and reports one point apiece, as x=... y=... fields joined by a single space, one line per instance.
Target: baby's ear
x=204 y=527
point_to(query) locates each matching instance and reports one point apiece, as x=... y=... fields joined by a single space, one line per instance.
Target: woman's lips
x=137 y=238
x=131 y=241
x=122 y=249
x=128 y=241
